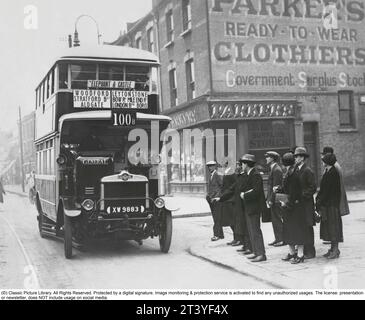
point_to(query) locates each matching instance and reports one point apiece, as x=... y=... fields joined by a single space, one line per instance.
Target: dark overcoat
x=227 y=207
x=275 y=179
x=254 y=199
x=233 y=193
x=328 y=205
x=295 y=227
x=308 y=189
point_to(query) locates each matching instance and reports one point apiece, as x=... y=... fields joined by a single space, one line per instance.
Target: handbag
x=281 y=197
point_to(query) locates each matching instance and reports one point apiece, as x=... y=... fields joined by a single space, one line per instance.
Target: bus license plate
x=125 y=209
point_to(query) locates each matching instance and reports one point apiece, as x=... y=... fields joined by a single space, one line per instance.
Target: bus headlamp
x=159 y=203
x=88 y=204
x=61 y=160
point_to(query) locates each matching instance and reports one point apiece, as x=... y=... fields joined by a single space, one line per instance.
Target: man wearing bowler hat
x=275 y=179
x=306 y=203
x=253 y=197
x=215 y=183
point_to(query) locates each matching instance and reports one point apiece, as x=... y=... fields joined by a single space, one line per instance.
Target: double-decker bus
x=86 y=184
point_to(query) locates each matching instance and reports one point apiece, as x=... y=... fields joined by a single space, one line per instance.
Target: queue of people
x=237 y=199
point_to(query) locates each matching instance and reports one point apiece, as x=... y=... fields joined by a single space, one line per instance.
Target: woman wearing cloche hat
x=328 y=206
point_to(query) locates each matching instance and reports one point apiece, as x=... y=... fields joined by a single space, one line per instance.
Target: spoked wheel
x=165 y=231
x=67 y=237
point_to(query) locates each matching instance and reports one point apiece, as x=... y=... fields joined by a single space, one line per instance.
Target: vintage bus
x=86 y=184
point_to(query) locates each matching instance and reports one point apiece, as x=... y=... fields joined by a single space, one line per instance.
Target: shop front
x=253 y=126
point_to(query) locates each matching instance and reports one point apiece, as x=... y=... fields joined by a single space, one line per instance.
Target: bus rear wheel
x=165 y=231
x=67 y=237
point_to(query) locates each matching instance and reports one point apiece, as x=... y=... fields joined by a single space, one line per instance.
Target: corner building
x=281 y=73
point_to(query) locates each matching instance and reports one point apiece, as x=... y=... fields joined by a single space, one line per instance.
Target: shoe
x=247 y=252
x=327 y=254
x=273 y=243
x=215 y=238
x=231 y=243
x=334 y=255
x=289 y=257
x=280 y=244
x=259 y=259
x=243 y=249
x=236 y=244
x=252 y=256
x=298 y=260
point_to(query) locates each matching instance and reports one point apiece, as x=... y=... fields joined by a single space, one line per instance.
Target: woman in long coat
x=328 y=206
x=295 y=227
x=2 y=191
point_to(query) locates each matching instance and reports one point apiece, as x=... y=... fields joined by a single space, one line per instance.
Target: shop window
x=150 y=41
x=190 y=79
x=346 y=108
x=170 y=26
x=173 y=87
x=186 y=11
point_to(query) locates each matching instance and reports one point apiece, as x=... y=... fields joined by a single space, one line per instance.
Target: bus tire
x=67 y=237
x=40 y=219
x=165 y=235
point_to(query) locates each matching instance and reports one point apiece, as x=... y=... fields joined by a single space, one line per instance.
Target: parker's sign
x=302 y=45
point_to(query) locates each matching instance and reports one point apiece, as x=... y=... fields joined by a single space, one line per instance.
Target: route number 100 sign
x=124 y=118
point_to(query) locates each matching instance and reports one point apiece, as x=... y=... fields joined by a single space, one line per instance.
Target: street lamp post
x=76 y=34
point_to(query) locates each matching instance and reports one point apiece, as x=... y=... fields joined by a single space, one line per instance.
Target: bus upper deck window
x=63 y=76
x=140 y=75
x=111 y=72
x=154 y=80
x=80 y=74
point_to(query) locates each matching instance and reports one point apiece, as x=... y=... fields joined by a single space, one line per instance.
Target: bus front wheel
x=165 y=231
x=68 y=237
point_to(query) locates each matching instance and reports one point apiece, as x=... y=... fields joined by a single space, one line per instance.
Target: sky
x=32 y=32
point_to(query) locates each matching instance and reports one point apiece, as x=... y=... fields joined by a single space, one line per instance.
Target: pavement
x=347 y=272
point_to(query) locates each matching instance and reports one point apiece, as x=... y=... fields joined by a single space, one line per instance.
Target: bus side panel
x=46 y=186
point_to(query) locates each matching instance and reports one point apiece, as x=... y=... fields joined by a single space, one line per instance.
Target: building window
x=139 y=43
x=346 y=108
x=150 y=40
x=173 y=87
x=186 y=11
x=170 y=26
x=190 y=79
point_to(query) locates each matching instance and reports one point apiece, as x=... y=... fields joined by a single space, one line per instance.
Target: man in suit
x=309 y=188
x=215 y=182
x=253 y=197
x=241 y=234
x=275 y=179
x=227 y=207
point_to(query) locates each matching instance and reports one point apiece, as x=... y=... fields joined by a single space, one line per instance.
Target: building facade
x=279 y=74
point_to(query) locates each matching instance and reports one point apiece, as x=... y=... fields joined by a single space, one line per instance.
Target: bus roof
x=108 y=52
x=105 y=115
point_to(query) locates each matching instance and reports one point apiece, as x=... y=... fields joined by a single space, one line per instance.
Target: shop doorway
x=312 y=145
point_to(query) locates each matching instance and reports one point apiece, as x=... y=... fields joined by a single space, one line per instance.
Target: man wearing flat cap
x=215 y=183
x=253 y=197
x=275 y=179
x=306 y=203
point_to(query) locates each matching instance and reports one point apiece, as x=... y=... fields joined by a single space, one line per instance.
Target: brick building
x=280 y=73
